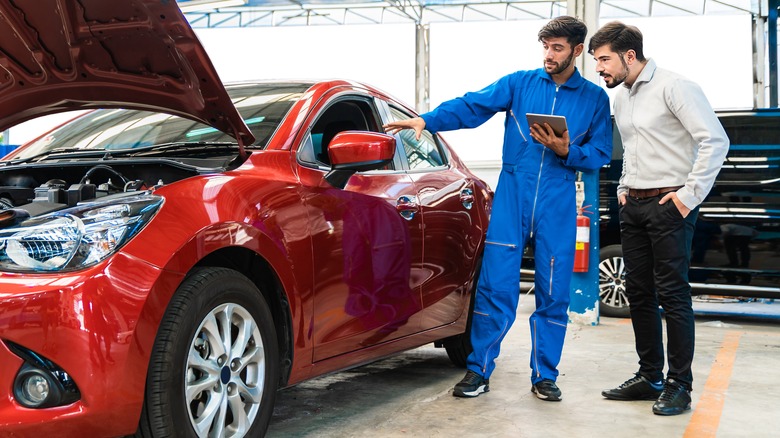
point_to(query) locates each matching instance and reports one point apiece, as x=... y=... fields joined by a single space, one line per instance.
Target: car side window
x=421 y=154
x=346 y=114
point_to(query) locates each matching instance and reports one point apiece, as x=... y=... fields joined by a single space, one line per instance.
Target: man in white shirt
x=674 y=147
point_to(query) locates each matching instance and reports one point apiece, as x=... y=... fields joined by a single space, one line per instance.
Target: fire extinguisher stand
x=584 y=306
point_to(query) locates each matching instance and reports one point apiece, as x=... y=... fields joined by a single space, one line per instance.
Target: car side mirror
x=358 y=151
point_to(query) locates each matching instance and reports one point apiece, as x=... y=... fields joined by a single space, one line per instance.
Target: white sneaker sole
x=476 y=392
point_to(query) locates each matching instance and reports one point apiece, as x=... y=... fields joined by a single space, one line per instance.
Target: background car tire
x=612 y=283
x=189 y=349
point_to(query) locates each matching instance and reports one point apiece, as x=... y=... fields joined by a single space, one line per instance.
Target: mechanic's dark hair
x=565 y=26
x=619 y=37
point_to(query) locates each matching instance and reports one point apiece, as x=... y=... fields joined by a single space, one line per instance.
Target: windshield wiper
x=189 y=146
x=46 y=154
x=194 y=146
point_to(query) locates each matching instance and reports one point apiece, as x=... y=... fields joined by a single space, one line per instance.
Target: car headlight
x=77 y=237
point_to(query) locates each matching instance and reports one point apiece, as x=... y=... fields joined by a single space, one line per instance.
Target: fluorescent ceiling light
x=205 y=5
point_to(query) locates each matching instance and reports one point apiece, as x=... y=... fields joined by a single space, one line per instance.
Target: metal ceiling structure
x=252 y=13
x=257 y=13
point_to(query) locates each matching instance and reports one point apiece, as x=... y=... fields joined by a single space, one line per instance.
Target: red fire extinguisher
x=582 y=242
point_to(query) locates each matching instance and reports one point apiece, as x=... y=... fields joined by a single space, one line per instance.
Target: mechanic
x=534 y=201
x=674 y=147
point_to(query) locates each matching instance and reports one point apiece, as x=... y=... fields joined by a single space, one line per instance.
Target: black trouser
x=656 y=244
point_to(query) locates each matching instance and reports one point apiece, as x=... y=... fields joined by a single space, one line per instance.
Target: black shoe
x=547 y=390
x=472 y=385
x=674 y=400
x=635 y=388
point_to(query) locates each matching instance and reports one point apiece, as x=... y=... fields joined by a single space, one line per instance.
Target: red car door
x=367 y=255
x=451 y=224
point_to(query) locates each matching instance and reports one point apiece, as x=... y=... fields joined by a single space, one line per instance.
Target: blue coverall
x=534 y=202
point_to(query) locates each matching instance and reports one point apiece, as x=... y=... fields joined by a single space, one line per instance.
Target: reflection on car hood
x=62 y=55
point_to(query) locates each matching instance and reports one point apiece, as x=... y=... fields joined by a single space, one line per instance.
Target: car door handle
x=407 y=206
x=467 y=198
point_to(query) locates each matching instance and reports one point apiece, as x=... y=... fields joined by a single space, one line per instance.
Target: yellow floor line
x=707 y=412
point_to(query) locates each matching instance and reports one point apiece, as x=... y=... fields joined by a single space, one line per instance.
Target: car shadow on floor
x=318 y=406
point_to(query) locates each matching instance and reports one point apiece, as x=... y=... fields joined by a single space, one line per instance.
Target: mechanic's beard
x=562 y=66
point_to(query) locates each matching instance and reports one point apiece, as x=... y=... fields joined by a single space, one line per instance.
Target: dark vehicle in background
x=736 y=245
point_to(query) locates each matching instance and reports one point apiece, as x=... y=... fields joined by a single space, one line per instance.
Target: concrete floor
x=736 y=381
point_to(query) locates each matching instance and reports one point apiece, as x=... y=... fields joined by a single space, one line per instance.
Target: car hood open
x=62 y=55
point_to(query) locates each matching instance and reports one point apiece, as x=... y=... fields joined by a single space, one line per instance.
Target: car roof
x=63 y=55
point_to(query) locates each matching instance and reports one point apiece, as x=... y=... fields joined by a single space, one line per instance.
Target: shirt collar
x=646 y=75
x=573 y=82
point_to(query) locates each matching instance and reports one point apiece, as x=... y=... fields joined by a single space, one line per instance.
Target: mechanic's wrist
x=563 y=154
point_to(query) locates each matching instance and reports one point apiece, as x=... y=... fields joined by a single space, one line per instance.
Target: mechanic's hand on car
x=546 y=136
x=417 y=123
x=680 y=206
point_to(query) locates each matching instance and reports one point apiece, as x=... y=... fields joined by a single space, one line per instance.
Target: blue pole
x=583 y=308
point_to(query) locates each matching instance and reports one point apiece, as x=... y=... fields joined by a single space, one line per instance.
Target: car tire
x=459 y=347
x=613 y=300
x=215 y=361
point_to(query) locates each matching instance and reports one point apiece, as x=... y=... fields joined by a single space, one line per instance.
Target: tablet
x=557 y=123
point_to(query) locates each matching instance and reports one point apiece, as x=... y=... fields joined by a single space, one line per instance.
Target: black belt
x=651 y=193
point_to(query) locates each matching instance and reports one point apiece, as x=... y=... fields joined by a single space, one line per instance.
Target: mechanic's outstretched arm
x=417 y=123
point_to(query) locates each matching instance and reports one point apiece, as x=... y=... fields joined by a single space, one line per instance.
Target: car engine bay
x=42 y=188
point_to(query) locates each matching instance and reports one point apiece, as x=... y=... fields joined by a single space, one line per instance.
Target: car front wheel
x=613 y=300
x=214 y=367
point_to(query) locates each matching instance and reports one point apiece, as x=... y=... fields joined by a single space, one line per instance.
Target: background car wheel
x=612 y=283
x=214 y=368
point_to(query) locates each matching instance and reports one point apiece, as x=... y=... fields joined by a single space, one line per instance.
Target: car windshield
x=262 y=107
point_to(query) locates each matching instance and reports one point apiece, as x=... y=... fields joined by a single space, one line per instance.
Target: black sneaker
x=635 y=388
x=674 y=400
x=547 y=390
x=472 y=385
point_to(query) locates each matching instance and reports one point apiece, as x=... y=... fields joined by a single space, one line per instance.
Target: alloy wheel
x=225 y=373
x=612 y=282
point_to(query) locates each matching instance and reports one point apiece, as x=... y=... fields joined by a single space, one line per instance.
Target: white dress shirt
x=671 y=136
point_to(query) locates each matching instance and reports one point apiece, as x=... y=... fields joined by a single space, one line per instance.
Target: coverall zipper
x=535 y=347
x=541 y=165
x=552 y=271
x=512 y=113
x=510 y=245
x=571 y=142
x=485 y=360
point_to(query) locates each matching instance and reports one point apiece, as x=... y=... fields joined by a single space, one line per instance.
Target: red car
x=174 y=255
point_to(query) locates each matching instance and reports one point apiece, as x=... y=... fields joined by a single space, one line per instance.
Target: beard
x=616 y=80
x=620 y=78
x=560 y=67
